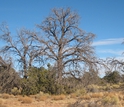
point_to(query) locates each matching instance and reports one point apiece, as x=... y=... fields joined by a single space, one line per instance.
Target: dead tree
x=67 y=46
x=21 y=47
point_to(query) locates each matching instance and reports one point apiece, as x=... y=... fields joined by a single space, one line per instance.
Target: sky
x=104 y=18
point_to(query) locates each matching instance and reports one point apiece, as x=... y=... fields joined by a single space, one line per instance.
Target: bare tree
x=21 y=47
x=112 y=64
x=67 y=46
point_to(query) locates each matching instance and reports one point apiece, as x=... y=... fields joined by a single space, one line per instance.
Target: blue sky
x=104 y=18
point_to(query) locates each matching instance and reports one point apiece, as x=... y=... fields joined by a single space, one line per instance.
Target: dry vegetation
x=81 y=98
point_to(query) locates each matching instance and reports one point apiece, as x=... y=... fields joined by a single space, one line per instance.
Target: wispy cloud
x=110 y=41
x=110 y=51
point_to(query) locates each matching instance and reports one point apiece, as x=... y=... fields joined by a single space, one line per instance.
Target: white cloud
x=110 y=51
x=110 y=41
x=119 y=58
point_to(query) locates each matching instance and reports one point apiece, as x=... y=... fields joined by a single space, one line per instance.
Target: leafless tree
x=67 y=46
x=21 y=47
x=116 y=64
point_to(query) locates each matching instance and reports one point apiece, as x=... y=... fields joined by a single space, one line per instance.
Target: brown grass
x=3 y=106
x=42 y=98
x=6 y=96
x=1 y=103
x=25 y=99
x=98 y=99
x=85 y=97
x=111 y=94
x=96 y=95
x=58 y=97
x=116 y=86
x=73 y=95
x=110 y=100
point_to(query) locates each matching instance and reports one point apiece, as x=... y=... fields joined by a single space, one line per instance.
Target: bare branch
x=65 y=42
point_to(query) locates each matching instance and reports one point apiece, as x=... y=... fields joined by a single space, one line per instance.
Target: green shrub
x=16 y=91
x=112 y=77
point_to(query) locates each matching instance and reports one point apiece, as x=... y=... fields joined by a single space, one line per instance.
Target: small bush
x=93 y=88
x=15 y=91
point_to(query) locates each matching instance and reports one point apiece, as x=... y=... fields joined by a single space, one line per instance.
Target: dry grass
x=25 y=99
x=97 y=99
x=3 y=106
x=110 y=100
x=111 y=94
x=33 y=96
x=80 y=92
x=122 y=103
x=42 y=98
x=58 y=97
x=97 y=95
x=1 y=103
x=116 y=86
x=5 y=96
x=20 y=98
x=85 y=97
x=73 y=95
